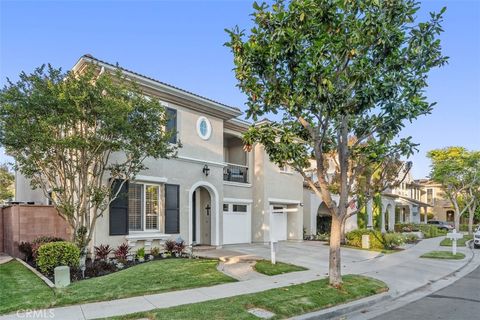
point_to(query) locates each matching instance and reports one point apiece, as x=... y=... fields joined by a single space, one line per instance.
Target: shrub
x=354 y=238
x=170 y=246
x=411 y=238
x=155 y=251
x=38 y=242
x=141 y=253
x=54 y=254
x=322 y=237
x=26 y=249
x=121 y=252
x=102 y=252
x=393 y=240
x=179 y=247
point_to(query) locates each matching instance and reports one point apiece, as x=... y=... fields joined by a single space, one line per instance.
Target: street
x=460 y=300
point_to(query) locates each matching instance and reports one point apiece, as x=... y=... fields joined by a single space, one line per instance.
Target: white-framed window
x=143 y=207
x=279 y=208
x=239 y=208
x=235 y=208
x=430 y=197
x=204 y=128
x=285 y=169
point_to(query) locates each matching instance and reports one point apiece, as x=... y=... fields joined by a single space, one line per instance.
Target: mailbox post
x=454 y=236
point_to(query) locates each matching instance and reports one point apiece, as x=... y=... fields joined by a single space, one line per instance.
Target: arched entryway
x=324 y=219
x=450 y=217
x=203 y=215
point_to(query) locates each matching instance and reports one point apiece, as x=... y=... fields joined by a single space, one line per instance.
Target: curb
x=345 y=308
x=38 y=274
x=372 y=300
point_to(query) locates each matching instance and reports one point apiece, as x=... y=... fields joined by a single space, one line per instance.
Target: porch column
x=391 y=220
x=425 y=218
x=410 y=216
x=382 y=221
x=369 y=208
x=402 y=214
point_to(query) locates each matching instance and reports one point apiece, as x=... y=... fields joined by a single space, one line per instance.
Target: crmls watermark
x=36 y=314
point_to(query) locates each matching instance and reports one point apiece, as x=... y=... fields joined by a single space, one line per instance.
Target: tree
x=75 y=135
x=458 y=171
x=6 y=183
x=333 y=72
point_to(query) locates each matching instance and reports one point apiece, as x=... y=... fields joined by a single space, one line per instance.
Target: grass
x=269 y=269
x=460 y=242
x=284 y=302
x=21 y=289
x=443 y=255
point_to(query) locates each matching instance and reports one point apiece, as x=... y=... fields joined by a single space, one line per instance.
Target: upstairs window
x=172 y=124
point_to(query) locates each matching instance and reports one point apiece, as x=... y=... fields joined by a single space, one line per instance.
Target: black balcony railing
x=235 y=173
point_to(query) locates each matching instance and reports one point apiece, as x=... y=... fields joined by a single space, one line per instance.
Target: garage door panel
x=236 y=228
x=279 y=226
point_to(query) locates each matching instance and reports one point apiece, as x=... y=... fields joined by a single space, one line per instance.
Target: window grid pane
x=151 y=207
x=135 y=204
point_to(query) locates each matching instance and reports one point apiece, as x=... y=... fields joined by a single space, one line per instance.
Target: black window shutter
x=172 y=124
x=172 y=208
x=119 y=209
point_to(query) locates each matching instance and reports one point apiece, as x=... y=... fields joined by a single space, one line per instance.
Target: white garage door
x=279 y=223
x=236 y=223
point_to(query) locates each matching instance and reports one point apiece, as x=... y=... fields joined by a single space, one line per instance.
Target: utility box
x=62 y=276
x=366 y=241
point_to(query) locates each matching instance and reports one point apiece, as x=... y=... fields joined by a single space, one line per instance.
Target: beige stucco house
x=213 y=193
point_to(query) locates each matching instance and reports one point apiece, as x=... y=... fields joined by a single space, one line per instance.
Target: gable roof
x=229 y=111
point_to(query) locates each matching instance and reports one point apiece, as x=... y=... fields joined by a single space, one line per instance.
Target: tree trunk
x=471 y=213
x=343 y=239
x=457 y=220
x=334 y=268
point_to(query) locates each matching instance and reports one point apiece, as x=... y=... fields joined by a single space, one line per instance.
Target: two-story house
x=213 y=193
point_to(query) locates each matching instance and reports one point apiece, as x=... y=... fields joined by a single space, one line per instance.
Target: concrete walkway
x=4 y=258
x=403 y=272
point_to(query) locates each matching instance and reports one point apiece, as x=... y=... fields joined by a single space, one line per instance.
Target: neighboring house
x=399 y=205
x=433 y=194
x=213 y=193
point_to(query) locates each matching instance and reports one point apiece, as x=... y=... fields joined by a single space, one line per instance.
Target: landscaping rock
x=261 y=313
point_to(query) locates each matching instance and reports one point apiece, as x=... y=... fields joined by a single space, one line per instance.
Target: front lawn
x=284 y=302
x=22 y=289
x=269 y=269
x=460 y=242
x=443 y=255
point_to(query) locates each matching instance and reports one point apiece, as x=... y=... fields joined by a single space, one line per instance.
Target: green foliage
x=428 y=230
x=354 y=238
x=393 y=240
x=141 y=253
x=63 y=127
x=269 y=269
x=7 y=180
x=443 y=255
x=54 y=254
x=345 y=77
x=411 y=238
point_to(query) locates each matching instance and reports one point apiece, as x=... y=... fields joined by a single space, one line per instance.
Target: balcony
x=235 y=158
x=235 y=173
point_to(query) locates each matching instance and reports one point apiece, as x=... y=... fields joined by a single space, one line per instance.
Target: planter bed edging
x=41 y=276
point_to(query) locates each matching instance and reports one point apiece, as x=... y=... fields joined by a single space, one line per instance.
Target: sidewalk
x=403 y=272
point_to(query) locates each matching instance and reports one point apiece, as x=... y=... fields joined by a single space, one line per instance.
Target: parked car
x=441 y=225
x=476 y=238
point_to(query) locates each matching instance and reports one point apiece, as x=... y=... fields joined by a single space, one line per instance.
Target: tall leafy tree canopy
x=458 y=171
x=344 y=77
x=73 y=134
x=7 y=180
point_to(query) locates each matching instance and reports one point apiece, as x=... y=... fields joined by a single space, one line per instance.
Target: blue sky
x=181 y=42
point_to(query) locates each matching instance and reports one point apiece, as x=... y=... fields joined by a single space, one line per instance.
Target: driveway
x=310 y=254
